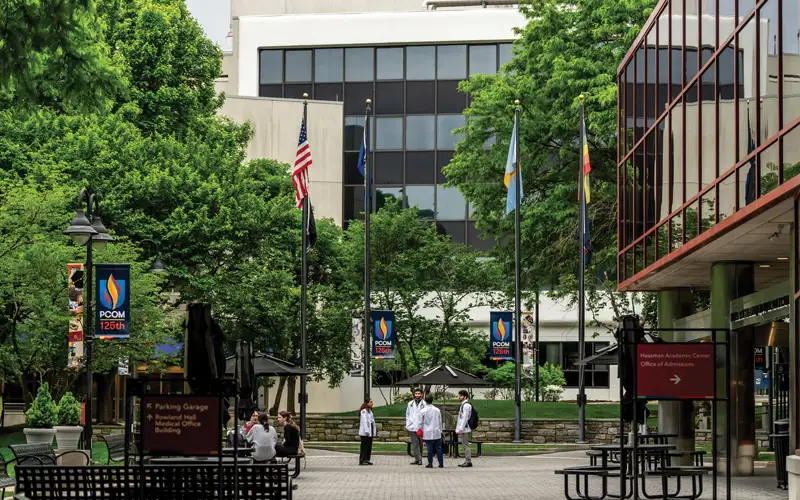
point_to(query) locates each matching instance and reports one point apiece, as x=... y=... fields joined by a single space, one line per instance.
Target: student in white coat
x=432 y=431
x=462 y=427
x=413 y=423
x=366 y=430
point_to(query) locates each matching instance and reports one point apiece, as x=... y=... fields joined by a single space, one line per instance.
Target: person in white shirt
x=263 y=438
x=366 y=429
x=413 y=423
x=462 y=427
x=432 y=431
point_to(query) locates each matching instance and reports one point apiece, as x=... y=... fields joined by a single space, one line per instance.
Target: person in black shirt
x=291 y=436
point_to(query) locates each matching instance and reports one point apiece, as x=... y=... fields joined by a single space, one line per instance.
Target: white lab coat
x=414 y=415
x=464 y=412
x=431 y=423
x=366 y=426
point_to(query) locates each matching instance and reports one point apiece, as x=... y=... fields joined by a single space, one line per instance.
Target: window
x=383 y=195
x=420 y=167
x=420 y=97
x=388 y=133
x=389 y=98
x=444 y=133
x=354 y=202
x=390 y=64
x=298 y=65
x=271 y=66
x=450 y=204
x=358 y=65
x=422 y=198
x=353 y=132
x=328 y=65
x=456 y=230
x=565 y=354
x=388 y=168
x=483 y=60
x=505 y=53
x=420 y=63
x=451 y=62
x=449 y=99
x=420 y=133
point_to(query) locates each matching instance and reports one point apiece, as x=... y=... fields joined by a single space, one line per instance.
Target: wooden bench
x=167 y=482
x=41 y=454
x=115 y=444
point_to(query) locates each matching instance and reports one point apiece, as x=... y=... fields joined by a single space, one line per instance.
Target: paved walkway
x=333 y=476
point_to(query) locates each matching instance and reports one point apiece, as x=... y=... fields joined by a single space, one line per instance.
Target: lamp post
x=88 y=229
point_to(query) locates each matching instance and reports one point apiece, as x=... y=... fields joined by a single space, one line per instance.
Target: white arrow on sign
x=675 y=379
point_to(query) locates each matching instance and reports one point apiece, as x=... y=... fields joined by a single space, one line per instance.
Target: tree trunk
x=292 y=396
x=278 y=395
x=105 y=398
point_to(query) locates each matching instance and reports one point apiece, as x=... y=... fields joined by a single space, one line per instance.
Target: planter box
x=68 y=436
x=37 y=436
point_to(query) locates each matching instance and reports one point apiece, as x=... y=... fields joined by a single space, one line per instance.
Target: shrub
x=69 y=410
x=491 y=394
x=43 y=413
x=403 y=397
x=552 y=393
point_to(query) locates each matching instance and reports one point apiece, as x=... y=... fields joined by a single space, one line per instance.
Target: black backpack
x=473 y=419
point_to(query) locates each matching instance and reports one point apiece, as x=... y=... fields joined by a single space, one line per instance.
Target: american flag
x=301 y=163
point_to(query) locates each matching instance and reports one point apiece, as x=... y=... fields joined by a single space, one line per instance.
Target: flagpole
x=518 y=283
x=303 y=295
x=581 y=290
x=367 y=255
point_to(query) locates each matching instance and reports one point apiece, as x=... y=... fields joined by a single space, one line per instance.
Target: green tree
x=52 y=51
x=567 y=48
x=432 y=286
x=168 y=63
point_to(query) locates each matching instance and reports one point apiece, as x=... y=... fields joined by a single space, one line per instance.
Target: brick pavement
x=333 y=476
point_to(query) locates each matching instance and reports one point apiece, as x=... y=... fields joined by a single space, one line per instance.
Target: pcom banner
x=383 y=337
x=113 y=301
x=501 y=337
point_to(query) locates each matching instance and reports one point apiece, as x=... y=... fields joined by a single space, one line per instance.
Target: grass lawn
x=505 y=409
x=400 y=448
x=99 y=450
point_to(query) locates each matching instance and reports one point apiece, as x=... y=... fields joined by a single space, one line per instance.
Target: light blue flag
x=509 y=179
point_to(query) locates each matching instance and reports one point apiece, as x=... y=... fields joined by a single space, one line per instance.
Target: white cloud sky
x=214 y=16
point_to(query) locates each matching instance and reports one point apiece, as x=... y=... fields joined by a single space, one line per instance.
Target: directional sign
x=181 y=425
x=675 y=371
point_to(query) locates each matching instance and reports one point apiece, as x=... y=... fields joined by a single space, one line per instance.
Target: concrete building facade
x=408 y=57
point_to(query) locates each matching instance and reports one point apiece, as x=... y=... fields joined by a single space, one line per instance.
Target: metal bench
x=115 y=444
x=697 y=457
x=41 y=454
x=6 y=481
x=585 y=473
x=287 y=460
x=167 y=482
x=694 y=473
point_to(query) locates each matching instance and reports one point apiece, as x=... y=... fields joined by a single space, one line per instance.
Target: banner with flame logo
x=113 y=301
x=501 y=336
x=383 y=337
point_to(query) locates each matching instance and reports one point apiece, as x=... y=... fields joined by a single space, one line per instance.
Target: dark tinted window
x=449 y=99
x=355 y=98
x=420 y=132
x=353 y=132
x=351 y=173
x=271 y=70
x=483 y=59
x=328 y=92
x=420 y=167
x=296 y=91
x=388 y=168
x=420 y=97
x=354 y=202
x=270 y=90
x=358 y=65
x=390 y=64
x=298 y=65
x=451 y=62
x=475 y=241
x=456 y=230
x=389 y=98
x=420 y=63
x=442 y=160
x=328 y=65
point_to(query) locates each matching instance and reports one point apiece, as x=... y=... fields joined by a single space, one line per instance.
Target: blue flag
x=362 y=152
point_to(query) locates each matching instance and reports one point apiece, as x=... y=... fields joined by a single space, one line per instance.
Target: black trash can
x=780 y=440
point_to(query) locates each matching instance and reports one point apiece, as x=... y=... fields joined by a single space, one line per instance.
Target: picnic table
x=243 y=451
x=645 y=450
x=653 y=437
x=197 y=460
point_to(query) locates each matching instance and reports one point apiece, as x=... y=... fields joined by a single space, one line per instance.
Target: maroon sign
x=675 y=371
x=181 y=425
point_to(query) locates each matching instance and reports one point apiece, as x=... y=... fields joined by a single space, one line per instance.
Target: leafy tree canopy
x=567 y=48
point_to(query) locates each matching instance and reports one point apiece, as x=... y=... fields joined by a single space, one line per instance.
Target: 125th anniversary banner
x=113 y=282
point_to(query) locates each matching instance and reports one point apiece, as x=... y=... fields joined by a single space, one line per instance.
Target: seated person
x=291 y=435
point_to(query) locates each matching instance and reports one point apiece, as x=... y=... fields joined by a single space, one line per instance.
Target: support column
x=794 y=347
x=731 y=280
x=676 y=417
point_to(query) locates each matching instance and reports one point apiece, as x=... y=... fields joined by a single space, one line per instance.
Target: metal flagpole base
x=516 y=441
x=581 y=442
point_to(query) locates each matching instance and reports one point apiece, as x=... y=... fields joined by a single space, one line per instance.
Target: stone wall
x=490 y=430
